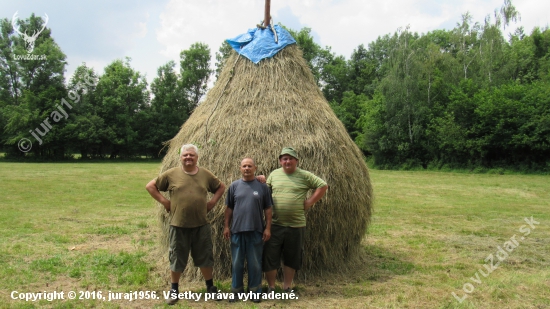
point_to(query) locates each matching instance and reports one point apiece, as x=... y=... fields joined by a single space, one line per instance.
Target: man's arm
x=217 y=195
x=228 y=215
x=151 y=187
x=316 y=196
x=268 y=215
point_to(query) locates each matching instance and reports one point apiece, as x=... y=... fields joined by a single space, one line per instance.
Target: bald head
x=248 y=169
x=249 y=160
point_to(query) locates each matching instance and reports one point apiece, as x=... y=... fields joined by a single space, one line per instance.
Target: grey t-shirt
x=248 y=199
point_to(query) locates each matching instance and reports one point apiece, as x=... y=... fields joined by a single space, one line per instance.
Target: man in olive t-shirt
x=188 y=186
x=289 y=187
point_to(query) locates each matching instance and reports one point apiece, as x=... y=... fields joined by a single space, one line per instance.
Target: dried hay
x=257 y=109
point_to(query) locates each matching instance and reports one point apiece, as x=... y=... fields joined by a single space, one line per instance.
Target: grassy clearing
x=92 y=227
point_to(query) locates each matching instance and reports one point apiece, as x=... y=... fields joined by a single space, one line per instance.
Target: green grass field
x=92 y=227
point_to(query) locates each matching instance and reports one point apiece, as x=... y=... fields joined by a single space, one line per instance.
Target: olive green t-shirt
x=188 y=195
x=289 y=193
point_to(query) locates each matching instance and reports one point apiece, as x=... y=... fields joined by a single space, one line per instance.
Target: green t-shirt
x=289 y=193
x=188 y=195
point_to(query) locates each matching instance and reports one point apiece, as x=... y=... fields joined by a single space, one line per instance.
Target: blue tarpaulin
x=258 y=44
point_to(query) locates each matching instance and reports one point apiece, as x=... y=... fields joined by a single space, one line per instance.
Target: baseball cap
x=288 y=151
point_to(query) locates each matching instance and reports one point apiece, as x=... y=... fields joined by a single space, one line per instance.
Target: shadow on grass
x=375 y=264
x=382 y=264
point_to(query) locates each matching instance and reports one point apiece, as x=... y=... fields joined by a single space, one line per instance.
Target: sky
x=152 y=33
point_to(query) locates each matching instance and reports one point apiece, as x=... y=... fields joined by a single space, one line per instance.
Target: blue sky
x=153 y=32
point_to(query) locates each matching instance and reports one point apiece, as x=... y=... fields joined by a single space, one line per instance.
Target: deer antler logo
x=29 y=40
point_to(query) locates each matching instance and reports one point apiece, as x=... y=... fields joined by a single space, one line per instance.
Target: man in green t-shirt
x=188 y=185
x=289 y=185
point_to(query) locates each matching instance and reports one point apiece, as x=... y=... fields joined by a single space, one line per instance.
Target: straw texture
x=254 y=110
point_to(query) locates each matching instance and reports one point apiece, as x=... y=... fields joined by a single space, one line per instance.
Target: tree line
x=115 y=114
x=464 y=97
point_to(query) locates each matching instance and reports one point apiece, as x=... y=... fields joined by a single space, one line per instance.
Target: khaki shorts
x=285 y=241
x=198 y=240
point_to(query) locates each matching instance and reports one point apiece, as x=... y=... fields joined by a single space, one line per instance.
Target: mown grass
x=92 y=226
x=76 y=226
x=432 y=231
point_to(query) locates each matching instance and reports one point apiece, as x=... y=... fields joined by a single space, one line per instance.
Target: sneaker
x=289 y=290
x=173 y=299
x=213 y=289
x=235 y=299
x=269 y=290
x=258 y=299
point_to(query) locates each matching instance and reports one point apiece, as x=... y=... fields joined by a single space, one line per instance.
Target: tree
x=122 y=95
x=405 y=107
x=221 y=56
x=361 y=71
x=334 y=76
x=349 y=112
x=494 y=68
x=31 y=87
x=86 y=129
x=465 y=42
x=195 y=72
x=169 y=109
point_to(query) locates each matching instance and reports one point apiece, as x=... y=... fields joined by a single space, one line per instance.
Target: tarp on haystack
x=254 y=110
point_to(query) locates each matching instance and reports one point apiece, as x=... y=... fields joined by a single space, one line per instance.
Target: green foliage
x=30 y=89
x=195 y=73
x=460 y=98
x=122 y=95
x=109 y=115
x=349 y=112
x=169 y=104
x=221 y=56
x=362 y=71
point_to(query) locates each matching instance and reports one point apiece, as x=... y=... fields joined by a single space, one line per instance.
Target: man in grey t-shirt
x=246 y=199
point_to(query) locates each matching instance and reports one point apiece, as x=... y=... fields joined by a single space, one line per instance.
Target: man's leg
x=178 y=253
x=207 y=273
x=203 y=255
x=175 y=276
x=201 y=251
x=288 y=273
x=270 y=276
x=254 y=248
x=238 y=253
x=272 y=254
x=292 y=254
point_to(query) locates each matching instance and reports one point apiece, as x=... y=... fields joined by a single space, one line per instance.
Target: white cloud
x=151 y=33
x=142 y=30
x=343 y=24
x=211 y=22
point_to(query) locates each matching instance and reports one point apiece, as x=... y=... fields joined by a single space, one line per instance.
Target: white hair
x=189 y=147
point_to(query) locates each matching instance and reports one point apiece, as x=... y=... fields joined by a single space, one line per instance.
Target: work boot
x=235 y=298
x=173 y=298
x=213 y=289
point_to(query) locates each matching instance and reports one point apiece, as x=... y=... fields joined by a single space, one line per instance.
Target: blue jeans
x=247 y=245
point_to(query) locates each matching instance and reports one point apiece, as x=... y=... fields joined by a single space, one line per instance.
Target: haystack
x=255 y=110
